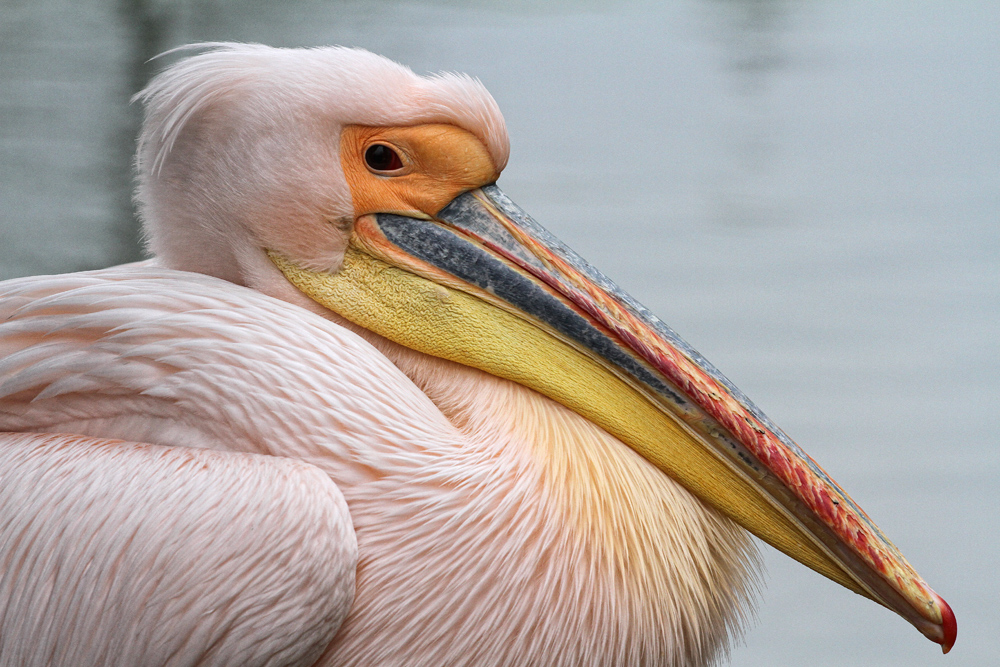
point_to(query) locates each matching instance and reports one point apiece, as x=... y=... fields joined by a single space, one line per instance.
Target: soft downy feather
x=494 y=526
x=118 y=553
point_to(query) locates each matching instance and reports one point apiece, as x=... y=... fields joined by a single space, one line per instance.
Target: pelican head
x=247 y=148
x=342 y=181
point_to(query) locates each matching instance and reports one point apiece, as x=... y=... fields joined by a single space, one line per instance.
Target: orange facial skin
x=440 y=162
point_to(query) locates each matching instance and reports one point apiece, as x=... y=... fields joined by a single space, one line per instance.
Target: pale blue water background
x=808 y=192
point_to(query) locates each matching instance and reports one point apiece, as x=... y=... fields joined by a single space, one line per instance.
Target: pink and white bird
x=360 y=409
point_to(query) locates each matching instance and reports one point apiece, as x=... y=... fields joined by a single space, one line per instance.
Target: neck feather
x=542 y=536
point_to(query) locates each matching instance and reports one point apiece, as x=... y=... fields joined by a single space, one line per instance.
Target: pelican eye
x=380 y=157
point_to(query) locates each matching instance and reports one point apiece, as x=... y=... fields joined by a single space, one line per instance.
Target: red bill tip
x=948 y=624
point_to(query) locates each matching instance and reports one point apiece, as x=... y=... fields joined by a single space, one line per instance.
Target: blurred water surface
x=808 y=192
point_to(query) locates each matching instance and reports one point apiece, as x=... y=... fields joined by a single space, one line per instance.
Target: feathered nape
x=349 y=86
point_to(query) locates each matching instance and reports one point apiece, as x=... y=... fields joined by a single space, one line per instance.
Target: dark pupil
x=382 y=158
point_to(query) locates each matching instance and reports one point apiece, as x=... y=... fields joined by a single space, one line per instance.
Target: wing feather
x=195 y=548
x=117 y=553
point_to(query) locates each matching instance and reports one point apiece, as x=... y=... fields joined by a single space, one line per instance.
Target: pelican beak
x=482 y=284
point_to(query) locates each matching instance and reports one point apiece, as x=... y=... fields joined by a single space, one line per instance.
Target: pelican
x=361 y=409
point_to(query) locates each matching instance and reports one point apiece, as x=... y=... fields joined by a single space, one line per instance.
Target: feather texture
x=494 y=526
x=118 y=553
